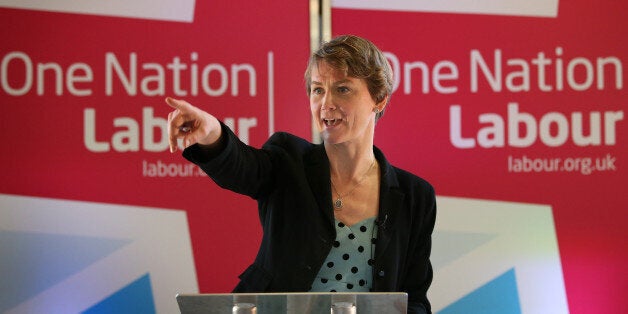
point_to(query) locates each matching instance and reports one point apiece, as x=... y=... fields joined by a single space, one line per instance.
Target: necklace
x=338 y=202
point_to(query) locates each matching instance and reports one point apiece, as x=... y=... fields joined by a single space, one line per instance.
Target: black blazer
x=290 y=179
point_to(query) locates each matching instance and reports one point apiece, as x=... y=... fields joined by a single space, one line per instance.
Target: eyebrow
x=343 y=81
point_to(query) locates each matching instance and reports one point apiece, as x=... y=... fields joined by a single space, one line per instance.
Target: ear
x=379 y=107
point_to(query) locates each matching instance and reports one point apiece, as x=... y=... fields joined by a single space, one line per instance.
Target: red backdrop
x=67 y=56
x=589 y=208
x=45 y=134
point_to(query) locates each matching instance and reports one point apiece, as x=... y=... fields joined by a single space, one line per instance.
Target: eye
x=343 y=89
x=317 y=91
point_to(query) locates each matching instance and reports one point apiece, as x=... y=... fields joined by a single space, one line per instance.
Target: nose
x=327 y=103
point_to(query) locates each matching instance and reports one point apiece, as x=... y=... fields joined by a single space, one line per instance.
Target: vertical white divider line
x=271 y=94
x=320 y=30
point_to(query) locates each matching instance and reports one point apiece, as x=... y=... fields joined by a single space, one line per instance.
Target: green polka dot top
x=349 y=265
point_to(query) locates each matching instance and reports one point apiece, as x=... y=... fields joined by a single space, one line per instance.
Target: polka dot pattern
x=348 y=267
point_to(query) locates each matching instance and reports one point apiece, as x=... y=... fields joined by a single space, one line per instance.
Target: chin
x=331 y=139
x=326 y=137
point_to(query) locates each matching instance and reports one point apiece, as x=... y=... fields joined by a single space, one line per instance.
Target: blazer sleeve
x=234 y=165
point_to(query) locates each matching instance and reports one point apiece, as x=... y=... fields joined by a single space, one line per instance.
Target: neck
x=349 y=163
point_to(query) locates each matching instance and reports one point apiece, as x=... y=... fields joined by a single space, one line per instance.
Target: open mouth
x=331 y=122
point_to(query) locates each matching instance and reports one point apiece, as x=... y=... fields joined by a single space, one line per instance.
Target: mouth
x=331 y=122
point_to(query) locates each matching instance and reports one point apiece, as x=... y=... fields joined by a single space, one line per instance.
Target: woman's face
x=342 y=107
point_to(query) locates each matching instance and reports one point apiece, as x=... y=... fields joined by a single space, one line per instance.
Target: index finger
x=180 y=105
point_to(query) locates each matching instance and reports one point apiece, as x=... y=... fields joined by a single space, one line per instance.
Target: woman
x=335 y=216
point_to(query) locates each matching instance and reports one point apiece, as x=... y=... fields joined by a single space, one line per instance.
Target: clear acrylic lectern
x=294 y=303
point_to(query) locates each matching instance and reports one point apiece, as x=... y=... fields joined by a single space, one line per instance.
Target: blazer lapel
x=317 y=171
x=391 y=199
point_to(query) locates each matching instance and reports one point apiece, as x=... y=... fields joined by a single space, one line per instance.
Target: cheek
x=314 y=108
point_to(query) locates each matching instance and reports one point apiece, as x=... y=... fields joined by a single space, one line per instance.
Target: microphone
x=382 y=224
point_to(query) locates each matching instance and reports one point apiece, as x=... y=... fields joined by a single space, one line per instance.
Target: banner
x=82 y=89
x=516 y=113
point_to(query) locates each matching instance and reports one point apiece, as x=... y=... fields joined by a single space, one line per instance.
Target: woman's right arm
x=218 y=152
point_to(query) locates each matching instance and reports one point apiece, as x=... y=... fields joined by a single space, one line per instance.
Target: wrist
x=214 y=133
